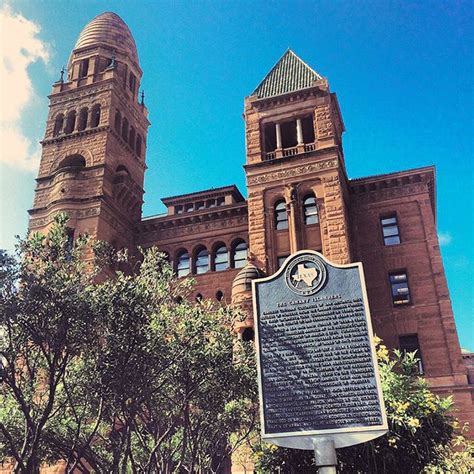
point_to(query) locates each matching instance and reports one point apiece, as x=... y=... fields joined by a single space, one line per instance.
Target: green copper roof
x=289 y=74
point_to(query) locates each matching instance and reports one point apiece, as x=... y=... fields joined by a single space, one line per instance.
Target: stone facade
x=94 y=170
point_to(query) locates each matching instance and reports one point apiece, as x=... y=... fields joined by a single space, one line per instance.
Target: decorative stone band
x=292 y=172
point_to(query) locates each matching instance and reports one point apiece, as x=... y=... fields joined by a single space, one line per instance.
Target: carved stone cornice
x=293 y=172
x=72 y=213
x=319 y=89
x=69 y=95
x=189 y=230
x=393 y=185
x=226 y=216
x=385 y=194
x=74 y=135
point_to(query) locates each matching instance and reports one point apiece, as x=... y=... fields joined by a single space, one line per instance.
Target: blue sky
x=403 y=72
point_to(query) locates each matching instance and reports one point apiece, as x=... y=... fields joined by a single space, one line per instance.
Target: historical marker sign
x=318 y=373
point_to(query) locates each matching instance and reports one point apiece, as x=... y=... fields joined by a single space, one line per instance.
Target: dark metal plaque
x=316 y=358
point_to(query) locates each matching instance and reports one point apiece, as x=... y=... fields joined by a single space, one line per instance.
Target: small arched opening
x=248 y=335
x=72 y=161
x=95 y=116
x=131 y=138
x=82 y=122
x=125 y=129
x=58 y=125
x=70 y=122
x=118 y=122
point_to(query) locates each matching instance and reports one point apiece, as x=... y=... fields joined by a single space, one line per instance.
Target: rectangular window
x=390 y=231
x=199 y=205
x=178 y=209
x=220 y=201
x=399 y=287
x=410 y=343
x=189 y=207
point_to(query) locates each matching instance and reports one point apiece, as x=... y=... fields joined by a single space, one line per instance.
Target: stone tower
x=295 y=166
x=93 y=158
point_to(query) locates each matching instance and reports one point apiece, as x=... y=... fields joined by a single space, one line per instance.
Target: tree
x=420 y=425
x=123 y=374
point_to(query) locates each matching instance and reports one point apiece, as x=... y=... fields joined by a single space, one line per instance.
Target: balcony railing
x=291 y=151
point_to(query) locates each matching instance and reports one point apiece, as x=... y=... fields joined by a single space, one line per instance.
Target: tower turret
x=93 y=157
x=297 y=185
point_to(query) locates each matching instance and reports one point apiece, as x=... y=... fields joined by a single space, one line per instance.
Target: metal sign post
x=318 y=379
x=325 y=455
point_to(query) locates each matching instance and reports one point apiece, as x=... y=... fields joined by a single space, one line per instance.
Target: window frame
x=234 y=252
x=394 y=273
x=278 y=212
x=383 y=226
x=305 y=207
x=179 y=255
x=215 y=258
x=197 y=255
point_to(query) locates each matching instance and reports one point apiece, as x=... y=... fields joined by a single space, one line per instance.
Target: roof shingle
x=289 y=74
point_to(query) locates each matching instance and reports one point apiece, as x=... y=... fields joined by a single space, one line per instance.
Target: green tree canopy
x=122 y=374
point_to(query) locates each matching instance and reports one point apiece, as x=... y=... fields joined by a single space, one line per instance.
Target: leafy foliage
x=115 y=375
x=420 y=424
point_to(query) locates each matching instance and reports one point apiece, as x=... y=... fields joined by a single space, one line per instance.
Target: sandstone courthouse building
x=299 y=197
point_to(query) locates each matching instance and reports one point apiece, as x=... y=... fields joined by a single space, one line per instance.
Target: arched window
x=118 y=122
x=138 y=148
x=131 y=138
x=182 y=265
x=202 y=261
x=125 y=129
x=70 y=122
x=219 y=295
x=95 y=116
x=281 y=217
x=82 y=124
x=221 y=259
x=239 y=254
x=72 y=161
x=58 y=125
x=198 y=298
x=310 y=210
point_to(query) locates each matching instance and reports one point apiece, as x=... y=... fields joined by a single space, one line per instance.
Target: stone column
x=299 y=132
x=290 y=199
x=278 y=136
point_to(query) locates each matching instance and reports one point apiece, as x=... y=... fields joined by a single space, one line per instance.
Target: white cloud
x=444 y=238
x=20 y=46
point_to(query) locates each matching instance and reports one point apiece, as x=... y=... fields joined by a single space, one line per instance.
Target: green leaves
x=119 y=374
x=421 y=426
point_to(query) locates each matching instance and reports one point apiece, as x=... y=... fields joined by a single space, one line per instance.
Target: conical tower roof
x=289 y=74
x=108 y=29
